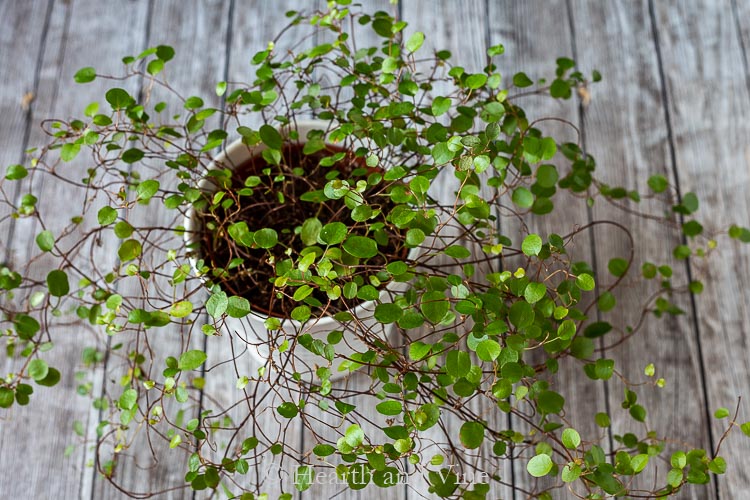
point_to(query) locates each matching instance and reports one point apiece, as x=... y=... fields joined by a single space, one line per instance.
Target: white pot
x=264 y=343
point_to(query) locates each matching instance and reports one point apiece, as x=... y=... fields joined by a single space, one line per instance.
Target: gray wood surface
x=675 y=100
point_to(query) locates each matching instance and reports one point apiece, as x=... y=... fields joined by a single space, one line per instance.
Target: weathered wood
x=701 y=44
x=328 y=426
x=18 y=87
x=519 y=27
x=192 y=28
x=463 y=30
x=628 y=150
x=254 y=24
x=43 y=434
x=706 y=86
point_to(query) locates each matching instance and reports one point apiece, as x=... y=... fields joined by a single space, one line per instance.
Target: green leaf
x=415 y=42
x=475 y=81
x=147 y=189
x=129 y=250
x=389 y=408
x=457 y=364
x=217 y=304
x=418 y=350
x=441 y=105
x=128 y=399
x=471 y=435
x=155 y=67
x=534 y=292
x=718 y=465
x=571 y=439
x=658 y=183
x=266 y=237
x=304 y=477
x=354 y=435
x=238 y=307
x=16 y=172
x=442 y=154
x=38 y=369
x=271 y=137
x=571 y=472
x=414 y=237
x=118 y=98
x=7 y=396
x=457 y=252
x=388 y=313
x=550 y=402
x=52 y=378
x=181 y=309
x=539 y=465
x=522 y=197
x=639 y=462
x=618 y=267
x=739 y=233
x=721 y=413
x=287 y=410
x=324 y=450
x=638 y=413
x=597 y=329
x=69 y=151
x=434 y=306
x=333 y=233
x=57 y=282
x=361 y=246
x=190 y=360
x=488 y=350
x=690 y=202
x=521 y=80
x=692 y=228
x=310 y=231
x=745 y=428
x=133 y=155
x=546 y=176
x=106 y=216
x=521 y=314
x=531 y=245
x=674 y=478
x=585 y=282
x=606 y=302
x=45 y=240
x=85 y=75
x=164 y=52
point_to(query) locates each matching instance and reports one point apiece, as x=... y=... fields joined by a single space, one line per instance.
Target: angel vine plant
x=404 y=205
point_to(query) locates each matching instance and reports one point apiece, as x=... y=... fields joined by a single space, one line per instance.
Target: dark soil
x=262 y=209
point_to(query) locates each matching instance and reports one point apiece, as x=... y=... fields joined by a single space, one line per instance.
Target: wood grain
x=628 y=150
x=45 y=433
x=700 y=144
x=706 y=87
x=193 y=28
x=518 y=27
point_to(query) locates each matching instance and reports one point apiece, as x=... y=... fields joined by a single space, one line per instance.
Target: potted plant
x=327 y=218
x=340 y=230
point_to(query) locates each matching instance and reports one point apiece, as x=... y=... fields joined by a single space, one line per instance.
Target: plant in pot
x=379 y=243
x=248 y=228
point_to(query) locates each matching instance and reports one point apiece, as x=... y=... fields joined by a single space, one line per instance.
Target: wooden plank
x=192 y=28
x=254 y=24
x=706 y=87
x=328 y=426
x=43 y=430
x=518 y=27
x=21 y=57
x=464 y=32
x=628 y=150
